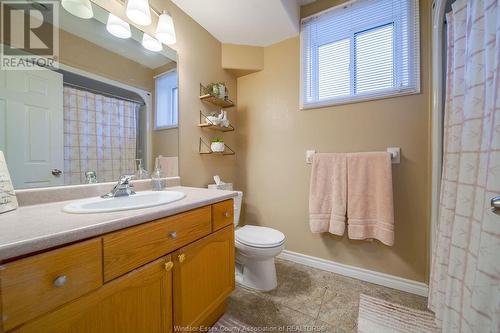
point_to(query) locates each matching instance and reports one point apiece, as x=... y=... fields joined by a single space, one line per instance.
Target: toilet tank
x=237 y=207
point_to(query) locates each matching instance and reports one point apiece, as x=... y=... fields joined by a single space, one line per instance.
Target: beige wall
x=165 y=68
x=199 y=61
x=165 y=142
x=242 y=59
x=318 y=6
x=273 y=135
x=82 y=54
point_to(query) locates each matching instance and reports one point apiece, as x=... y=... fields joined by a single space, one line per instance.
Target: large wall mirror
x=110 y=108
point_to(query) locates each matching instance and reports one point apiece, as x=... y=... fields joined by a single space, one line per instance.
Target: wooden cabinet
x=130 y=248
x=140 y=301
x=37 y=284
x=203 y=278
x=222 y=214
x=139 y=279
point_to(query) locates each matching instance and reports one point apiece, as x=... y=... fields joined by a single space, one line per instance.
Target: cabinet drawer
x=222 y=214
x=38 y=284
x=133 y=247
x=140 y=301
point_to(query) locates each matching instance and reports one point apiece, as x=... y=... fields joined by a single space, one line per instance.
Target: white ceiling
x=247 y=22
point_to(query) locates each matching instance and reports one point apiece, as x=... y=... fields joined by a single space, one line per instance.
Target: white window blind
x=167 y=108
x=364 y=49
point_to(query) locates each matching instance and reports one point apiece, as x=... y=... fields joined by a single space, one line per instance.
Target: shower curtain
x=99 y=135
x=465 y=274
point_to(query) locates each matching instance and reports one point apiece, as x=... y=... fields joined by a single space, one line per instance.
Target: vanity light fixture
x=138 y=12
x=79 y=8
x=150 y=43
x=165 y=31
x=118 y=27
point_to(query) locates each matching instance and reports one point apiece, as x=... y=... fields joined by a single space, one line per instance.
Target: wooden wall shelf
x=220 y=154
x=220 y=102
x=217 y=128
x=205 y=123
x=205 y=96
x=204 y=149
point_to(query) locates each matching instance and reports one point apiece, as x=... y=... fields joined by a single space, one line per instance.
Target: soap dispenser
x=141 y=173
x=158 y=180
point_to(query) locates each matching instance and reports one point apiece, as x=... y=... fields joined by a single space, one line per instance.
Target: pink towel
x=370 y=210
x=328 y=193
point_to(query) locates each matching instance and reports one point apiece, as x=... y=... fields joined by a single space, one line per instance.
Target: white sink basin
x=140 y=200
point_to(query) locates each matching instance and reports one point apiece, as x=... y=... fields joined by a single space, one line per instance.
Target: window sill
x=360 y=99
x=165 y=127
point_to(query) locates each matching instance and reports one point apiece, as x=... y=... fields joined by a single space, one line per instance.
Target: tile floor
x=309 y=299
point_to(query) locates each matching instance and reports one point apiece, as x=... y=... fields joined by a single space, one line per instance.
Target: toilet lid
x=259 y=236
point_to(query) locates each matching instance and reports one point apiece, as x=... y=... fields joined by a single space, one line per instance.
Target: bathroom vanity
x=105 y=111
x=118 y=272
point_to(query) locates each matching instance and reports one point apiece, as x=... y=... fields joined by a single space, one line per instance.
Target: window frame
x=155 y=124
x=175 y=102
x=396 y=91
x=396 y=68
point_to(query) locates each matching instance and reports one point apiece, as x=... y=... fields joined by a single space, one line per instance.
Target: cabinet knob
x=181 y=257
x=169 y=265
x=60 y=281
x=227 y=214
x=173 y=234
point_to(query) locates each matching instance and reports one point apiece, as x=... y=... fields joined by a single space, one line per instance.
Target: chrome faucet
x=122 y=188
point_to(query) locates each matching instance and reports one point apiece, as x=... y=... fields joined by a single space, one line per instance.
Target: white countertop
x=38 y=227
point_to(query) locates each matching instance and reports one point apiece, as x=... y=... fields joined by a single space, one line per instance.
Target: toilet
x=256 y=248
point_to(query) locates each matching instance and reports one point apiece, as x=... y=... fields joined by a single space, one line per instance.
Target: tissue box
x=225 y=186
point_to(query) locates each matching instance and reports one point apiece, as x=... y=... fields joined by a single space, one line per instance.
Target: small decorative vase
x=224 y=121
x=217 y=147
x=215 y=90
x=222 y=90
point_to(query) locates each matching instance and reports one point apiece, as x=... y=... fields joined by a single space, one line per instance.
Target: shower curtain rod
x=102 y=93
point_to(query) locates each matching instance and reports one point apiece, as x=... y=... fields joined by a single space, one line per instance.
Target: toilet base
x=256 y=274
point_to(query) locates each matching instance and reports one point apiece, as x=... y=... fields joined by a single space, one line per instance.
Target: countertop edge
x=34 y=245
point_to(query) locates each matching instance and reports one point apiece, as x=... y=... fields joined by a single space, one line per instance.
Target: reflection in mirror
x=93 y=118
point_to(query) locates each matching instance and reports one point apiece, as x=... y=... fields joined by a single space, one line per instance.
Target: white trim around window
x=166 y=101
x=358 y=51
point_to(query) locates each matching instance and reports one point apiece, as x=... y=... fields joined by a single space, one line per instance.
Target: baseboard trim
x=387 y=280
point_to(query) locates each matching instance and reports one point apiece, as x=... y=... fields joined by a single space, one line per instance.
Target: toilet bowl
x=256 y=248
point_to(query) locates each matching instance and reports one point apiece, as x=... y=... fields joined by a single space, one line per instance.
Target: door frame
x=438 y=12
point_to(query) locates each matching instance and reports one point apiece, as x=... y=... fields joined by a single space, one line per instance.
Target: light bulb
x=118 y=27
x=165 y=31
x=79 y=8
x=151 y=44
x=138 y=12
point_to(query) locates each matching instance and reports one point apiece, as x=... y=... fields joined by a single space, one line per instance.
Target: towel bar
x=394 y=151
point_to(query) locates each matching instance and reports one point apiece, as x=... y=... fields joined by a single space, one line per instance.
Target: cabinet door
x=203 y=278
x=140 y=301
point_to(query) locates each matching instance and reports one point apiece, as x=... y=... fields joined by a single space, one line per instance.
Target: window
x=167 y=108
x=365 y=49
